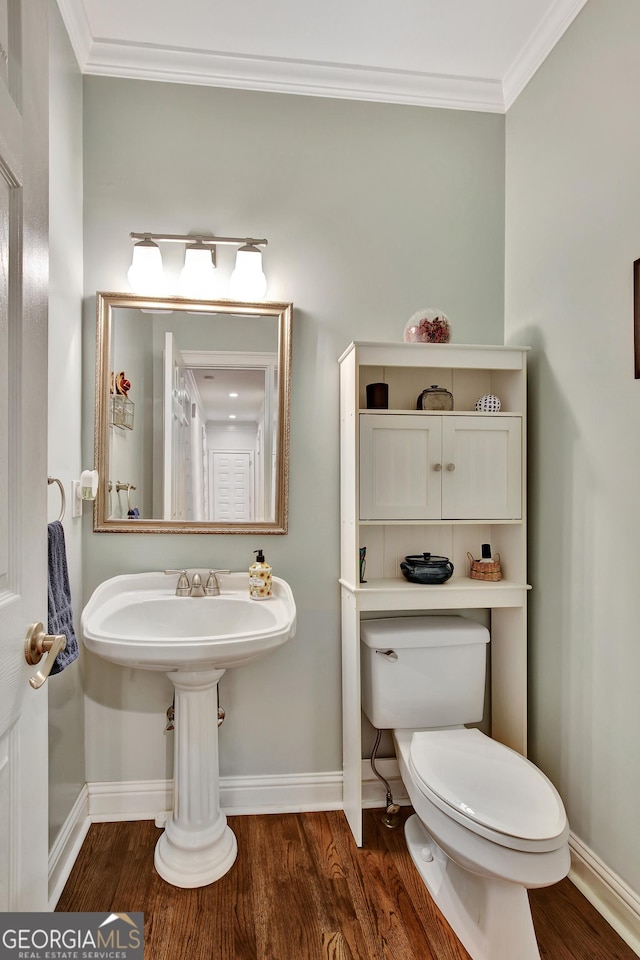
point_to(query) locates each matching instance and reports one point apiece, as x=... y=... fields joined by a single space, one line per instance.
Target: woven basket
x=485 y=569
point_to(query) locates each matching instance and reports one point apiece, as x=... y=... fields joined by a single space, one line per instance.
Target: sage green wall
x=372 y=212
x=572 y=234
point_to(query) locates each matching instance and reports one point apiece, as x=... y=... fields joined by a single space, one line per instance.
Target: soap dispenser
x=259 y=578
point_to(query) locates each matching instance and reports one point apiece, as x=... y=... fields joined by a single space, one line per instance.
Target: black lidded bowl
x=426 y=568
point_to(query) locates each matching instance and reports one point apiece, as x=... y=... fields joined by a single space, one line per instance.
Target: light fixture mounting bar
x=198 y=238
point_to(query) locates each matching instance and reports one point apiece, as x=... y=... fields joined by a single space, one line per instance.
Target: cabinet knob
x=451 y=467
x=437 y=467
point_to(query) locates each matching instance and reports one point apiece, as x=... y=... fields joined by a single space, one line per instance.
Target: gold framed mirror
x=192 y=410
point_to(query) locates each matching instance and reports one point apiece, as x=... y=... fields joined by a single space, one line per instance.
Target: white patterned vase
x=488 y=404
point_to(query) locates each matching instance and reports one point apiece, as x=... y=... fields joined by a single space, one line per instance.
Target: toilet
x=488 y=824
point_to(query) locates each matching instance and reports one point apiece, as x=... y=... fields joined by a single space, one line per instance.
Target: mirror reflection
x=192 y=415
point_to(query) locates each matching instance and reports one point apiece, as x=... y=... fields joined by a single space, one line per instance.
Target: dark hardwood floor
x=301 y=890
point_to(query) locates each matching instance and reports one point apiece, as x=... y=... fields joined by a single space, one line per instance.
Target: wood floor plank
x=584 y=932
x=340 y=931
x=301 y=890
x=377 y=891
x=335 y=899
x=288 y=883
x=421 y=916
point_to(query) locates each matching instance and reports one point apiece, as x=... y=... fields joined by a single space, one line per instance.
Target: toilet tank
x=423 y=671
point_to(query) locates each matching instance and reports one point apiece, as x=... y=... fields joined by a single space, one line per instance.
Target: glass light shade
x=145 y=274
x=248 y=282
x=198 y=276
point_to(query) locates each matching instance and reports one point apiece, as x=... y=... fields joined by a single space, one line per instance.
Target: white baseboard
x=66 y=847
x=288 y=793
x=291 y=793
x=609 y=894
x=148 y=799
x=115 y=800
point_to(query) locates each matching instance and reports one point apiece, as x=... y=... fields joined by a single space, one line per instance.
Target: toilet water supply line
x=390 y=818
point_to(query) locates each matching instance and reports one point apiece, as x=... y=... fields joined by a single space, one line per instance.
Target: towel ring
x=63 y=505
x=128 y=487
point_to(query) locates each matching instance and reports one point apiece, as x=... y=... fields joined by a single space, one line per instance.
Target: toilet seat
x=492 y=790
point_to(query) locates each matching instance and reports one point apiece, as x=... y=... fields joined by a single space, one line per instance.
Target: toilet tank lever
x=389 y=655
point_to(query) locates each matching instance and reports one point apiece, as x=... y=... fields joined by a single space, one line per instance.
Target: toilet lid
x=487 y=783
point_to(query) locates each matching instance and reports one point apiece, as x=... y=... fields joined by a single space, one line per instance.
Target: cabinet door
x=481 y=468
x=400 y=462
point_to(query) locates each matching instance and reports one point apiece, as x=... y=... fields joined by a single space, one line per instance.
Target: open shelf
x=479 y=497
x=458 y=593
x=436 y=413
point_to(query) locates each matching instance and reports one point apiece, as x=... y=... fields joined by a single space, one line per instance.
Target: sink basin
x=137 y=621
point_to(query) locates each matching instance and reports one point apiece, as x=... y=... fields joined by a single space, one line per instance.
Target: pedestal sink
x=137 y=621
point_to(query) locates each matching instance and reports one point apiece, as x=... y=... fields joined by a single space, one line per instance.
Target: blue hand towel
x=60 y=612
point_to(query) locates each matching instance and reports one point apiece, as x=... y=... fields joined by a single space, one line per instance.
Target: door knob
x=437 y=467
x=451 y=466
x=38 y=643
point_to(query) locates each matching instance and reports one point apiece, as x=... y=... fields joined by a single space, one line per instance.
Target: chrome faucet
x=197 y=590
x=212 y=588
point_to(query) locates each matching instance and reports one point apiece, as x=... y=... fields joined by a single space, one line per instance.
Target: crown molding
x=315 y=78
x=538 y=47
x=77 y=26
x=278 y=75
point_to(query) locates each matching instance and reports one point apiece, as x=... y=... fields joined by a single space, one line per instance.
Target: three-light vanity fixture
x=198 y=276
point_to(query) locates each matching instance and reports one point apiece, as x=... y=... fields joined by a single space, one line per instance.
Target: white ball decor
x=488 y=404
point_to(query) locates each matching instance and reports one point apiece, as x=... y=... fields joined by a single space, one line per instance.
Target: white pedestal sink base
x=197 y=847
x=185 y=867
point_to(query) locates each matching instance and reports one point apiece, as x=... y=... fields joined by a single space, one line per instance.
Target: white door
x=400 y=469
x=23 y=446
x=481 y=468
x=231 y=483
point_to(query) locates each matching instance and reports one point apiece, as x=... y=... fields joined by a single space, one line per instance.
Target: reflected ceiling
x=230 y=394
